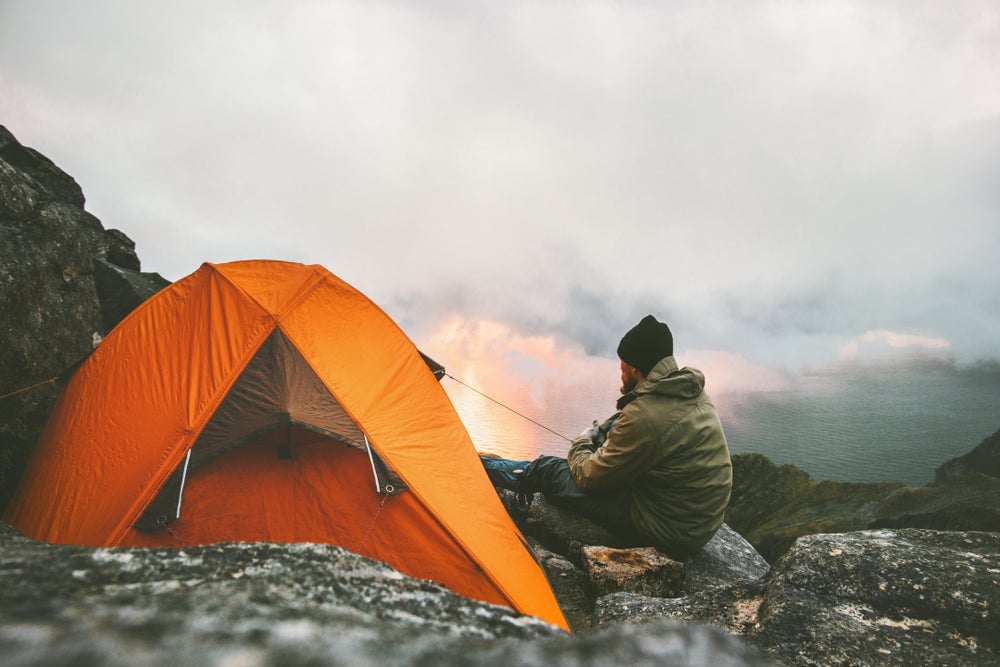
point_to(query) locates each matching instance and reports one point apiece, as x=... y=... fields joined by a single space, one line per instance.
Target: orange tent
x=271 y=401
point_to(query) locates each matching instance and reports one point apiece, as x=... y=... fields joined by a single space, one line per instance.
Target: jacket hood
x=666 y=379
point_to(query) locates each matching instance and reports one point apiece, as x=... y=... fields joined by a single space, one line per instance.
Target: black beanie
x=645 y=344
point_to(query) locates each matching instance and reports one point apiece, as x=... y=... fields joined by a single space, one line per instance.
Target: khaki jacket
x=667 y=447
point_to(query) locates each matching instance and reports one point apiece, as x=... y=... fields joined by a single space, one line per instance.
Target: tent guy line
x=30 y=387
x=507 y=407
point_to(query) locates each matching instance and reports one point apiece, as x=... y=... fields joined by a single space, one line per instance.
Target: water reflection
x=551 y=382
x=492 y=428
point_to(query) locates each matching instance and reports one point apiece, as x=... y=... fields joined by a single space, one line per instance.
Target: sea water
x=869 y=424
x=859 y=423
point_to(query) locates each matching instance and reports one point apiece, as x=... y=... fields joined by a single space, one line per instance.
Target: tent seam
x=320 y=278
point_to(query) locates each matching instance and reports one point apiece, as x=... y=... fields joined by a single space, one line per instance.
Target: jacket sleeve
x=629 y=451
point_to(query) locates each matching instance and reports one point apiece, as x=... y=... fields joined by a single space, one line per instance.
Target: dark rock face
x=121 y=290
x=966 y=501
x=296 y=604
x=772 y=506
x=65 y=281
x=984 y=460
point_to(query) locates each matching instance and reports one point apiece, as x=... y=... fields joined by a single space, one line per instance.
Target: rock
x=51 y=320
x=733 y=607
x=35 y=174
x=772 y=506
x=962 y=501
x=660 y=642
x=566 y=532
x=642 y=570
x=865 y=598
x=723 y=586
x=65 y=281
x=984 y=460
x=570 y=585
x=296 y=604
x=122 y=290
x=725 y=560
x=885 y=597
x=208 y=604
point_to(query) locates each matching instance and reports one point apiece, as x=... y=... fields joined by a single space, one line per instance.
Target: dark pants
x=550 y=476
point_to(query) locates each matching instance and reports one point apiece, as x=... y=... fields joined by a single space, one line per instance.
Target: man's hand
x=596 y=435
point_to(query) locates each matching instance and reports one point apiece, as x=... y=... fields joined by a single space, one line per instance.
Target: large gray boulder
x=65 y=281
x=886 y=597
x=297 y=604
x=906 y=597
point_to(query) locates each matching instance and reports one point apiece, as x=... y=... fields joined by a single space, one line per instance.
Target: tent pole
x=371 y=457
x=180 y=492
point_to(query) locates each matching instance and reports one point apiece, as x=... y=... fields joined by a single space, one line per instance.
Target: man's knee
x=551 y=475
x=504 y=473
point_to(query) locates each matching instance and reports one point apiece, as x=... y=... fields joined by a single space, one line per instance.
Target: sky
x=790 y=185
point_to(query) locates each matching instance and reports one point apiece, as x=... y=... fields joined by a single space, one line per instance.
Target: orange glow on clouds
x=550 y=381
x=556 y=383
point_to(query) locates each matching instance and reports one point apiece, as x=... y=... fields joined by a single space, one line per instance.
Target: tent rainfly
x=271 y=401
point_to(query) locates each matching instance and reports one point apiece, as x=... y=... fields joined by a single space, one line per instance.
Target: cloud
x=729 y=373
x=884 y=344
x=773 y=179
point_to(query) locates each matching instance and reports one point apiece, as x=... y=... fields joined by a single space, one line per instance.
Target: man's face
x=630 y=377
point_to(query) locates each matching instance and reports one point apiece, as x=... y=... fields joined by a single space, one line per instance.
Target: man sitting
x=657 y=472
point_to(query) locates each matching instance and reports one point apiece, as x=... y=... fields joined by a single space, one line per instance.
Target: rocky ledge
x=255 y=604
x=887 y=597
